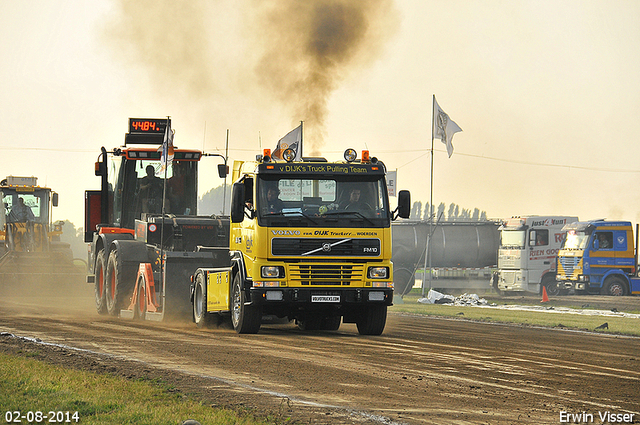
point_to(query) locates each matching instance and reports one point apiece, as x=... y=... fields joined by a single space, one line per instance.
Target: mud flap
x=178 y=269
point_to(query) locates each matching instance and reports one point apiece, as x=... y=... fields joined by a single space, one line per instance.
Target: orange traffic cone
x=545 y=298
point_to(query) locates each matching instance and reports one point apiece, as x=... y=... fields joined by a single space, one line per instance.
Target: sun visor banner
x=322 y=169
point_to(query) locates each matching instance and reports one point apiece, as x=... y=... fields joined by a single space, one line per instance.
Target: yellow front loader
x=30 y=246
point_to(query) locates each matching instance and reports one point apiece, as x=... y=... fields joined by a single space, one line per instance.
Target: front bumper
x=320 y=297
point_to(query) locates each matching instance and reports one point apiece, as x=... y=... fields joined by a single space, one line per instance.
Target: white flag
x=443 y=127
x=167 y=148
x=391 y=182
x=293 y=140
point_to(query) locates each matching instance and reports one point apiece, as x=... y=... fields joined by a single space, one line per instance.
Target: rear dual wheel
x=119 y=281
x=99 y=283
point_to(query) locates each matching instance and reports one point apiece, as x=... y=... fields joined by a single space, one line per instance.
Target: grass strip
x=29 y=385
x=615 y=325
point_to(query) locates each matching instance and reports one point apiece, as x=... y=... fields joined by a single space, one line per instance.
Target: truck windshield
x=25 y=206
x=575 y=240
x=140 y=187
x=512 y=238
x=322 y=201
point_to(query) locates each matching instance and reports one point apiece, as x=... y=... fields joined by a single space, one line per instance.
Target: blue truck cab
x=598 y=257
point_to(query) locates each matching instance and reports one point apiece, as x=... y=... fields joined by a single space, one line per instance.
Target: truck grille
x=326 y=274
x=569 y=264
x=508 y=276
x=325 y=247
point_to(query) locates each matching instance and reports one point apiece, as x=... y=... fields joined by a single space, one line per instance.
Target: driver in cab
x=274 y=203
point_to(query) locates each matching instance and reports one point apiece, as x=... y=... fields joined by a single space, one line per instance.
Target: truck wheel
x=372 y=320
x=119 y=282
x=99 y=283
x=245 y=319
x=552 y=286
x=202 y=318
x=140 y=307
x=614 y=286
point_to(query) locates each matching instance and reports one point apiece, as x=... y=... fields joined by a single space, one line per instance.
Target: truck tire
x=140 y=306
x=120 y=280
x=372 y=320
x=246 y=319
x=552 y=286
x=202 y=318
x=614 y=286
x=99 y=283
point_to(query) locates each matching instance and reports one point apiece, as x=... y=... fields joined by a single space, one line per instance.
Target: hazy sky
x=547 y=92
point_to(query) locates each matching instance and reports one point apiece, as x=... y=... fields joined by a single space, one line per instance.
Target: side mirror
x=237 y=202
x=532 y=238
x=223 y=170
x=596 y=244
x=404 y=204
x=54 y=199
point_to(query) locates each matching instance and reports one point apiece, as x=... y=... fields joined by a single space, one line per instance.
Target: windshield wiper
x=288 y=213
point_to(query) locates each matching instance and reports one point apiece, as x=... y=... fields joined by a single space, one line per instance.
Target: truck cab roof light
x=350 y=155
x=289 y=155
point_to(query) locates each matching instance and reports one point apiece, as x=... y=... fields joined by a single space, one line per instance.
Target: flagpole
x=301 y=136
x=165 y=152
x=428 y=253
x=226 y=156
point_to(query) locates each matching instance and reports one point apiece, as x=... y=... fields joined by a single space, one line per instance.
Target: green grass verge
x=29 y=385
x=617 y=325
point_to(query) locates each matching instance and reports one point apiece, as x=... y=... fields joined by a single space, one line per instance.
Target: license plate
x=325 y=298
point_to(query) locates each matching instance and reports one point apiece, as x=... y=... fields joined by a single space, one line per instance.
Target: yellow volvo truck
x=310 y=241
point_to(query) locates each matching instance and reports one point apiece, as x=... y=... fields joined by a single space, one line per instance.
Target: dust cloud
x=286 y=55
x=309 y=47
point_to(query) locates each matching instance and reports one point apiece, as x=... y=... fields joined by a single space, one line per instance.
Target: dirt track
x=421 y=370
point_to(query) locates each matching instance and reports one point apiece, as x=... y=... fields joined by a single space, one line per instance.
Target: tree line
x=212 y=201
x=453 y=213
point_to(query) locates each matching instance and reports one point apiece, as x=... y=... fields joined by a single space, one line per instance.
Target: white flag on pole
x=293 y=140
x=443 y=127
x=392 y=177
x=167 y=148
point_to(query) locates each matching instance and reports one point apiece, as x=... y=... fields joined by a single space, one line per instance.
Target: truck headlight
x=378 y=272
x=272 y=271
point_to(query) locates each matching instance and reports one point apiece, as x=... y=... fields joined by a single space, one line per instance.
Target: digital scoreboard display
x=147 y=126
x=146 y=131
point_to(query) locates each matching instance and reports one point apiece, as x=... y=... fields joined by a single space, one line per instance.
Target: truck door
x=539 y=262
x=624 y=256
x=602 y=254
